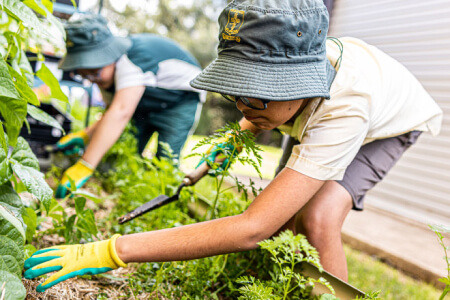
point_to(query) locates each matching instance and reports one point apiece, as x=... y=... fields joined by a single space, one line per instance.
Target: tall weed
x=440 y=230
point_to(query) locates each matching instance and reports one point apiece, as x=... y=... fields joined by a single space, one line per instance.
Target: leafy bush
x=19 y=168
x=287 y=252
x=242 y=139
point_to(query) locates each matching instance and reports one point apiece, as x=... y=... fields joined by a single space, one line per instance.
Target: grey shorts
x=370 y=165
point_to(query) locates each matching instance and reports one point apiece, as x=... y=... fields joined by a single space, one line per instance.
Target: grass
x=369 y=274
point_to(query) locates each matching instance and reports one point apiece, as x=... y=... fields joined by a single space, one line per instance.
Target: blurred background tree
x=193 y=25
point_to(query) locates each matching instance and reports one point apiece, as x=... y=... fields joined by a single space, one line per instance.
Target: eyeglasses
x=258 y=104
x=91 y=75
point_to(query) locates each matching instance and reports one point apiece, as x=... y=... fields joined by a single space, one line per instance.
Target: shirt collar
x=297 y=130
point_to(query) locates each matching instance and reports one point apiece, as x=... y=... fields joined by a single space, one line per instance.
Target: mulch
x=113 y=285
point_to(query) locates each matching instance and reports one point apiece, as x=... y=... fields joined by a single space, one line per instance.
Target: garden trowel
x=343 y=290
x=159 y=201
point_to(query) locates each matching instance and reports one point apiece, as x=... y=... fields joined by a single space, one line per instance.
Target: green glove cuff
x=216 y=151
x=74 y=141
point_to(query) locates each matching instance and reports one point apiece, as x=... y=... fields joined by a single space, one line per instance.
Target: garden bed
x=133 y=182
x=126 y=181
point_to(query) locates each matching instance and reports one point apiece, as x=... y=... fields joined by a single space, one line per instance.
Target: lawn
x=369 y=274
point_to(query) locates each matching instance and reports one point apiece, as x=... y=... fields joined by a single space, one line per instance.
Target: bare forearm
x=91 y=129
x=110 y=127
x=284 y=196
x=225 y=235
x=106 y=133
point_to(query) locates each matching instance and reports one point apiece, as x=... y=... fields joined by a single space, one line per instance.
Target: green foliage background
x=21 y=22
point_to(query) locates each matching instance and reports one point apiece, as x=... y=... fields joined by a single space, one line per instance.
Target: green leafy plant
x=440 y=230
x=70 y=217
x=287 y=252
x=254 y=289
x=19 y=168
x=370 y=296
x=242 y=139
x=12 y=240
x=133 y=180
x=75 y=226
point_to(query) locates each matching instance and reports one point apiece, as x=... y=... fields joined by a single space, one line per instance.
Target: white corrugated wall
x=416 y=33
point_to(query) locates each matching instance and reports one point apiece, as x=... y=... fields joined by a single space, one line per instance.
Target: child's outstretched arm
x=276 y=204
x=281 y=200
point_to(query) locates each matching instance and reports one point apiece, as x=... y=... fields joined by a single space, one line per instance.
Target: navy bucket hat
x=91 y=45
x=271 y=49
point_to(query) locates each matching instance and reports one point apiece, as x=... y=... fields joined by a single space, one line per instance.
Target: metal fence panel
x=416 y=33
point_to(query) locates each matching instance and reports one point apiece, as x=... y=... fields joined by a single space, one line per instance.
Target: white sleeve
x=175 y=74
x=128 y=74
x=332 y=138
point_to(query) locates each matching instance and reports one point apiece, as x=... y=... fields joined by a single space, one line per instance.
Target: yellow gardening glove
x=73 y=142
x=79 y=173
x=73 y=260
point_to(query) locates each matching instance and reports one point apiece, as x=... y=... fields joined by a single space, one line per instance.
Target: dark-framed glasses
x=91 y=75
x=258 y=104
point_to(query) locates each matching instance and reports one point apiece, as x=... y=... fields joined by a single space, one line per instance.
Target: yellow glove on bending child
x=79 y=173
x=225 y=148
x=73 y=142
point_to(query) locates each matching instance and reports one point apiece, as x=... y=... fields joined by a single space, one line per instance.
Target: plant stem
x=219 y=185
x=447 y=287
x=441 y=242
x=227 y=189
x=159 y=277
x=221 y=269
x=10 y=45
x=216 y=198
x=292 y=271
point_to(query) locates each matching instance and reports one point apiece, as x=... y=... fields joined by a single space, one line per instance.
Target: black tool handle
x=55 y=148
x=148 y=206
x=189 y=180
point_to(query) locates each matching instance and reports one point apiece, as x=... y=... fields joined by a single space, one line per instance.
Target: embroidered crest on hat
x=235 y=21
x=69 y=43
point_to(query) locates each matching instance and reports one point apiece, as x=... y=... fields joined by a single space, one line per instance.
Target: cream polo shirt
x=372 y=97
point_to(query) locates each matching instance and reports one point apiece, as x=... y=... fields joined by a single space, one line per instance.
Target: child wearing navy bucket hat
x=350 y=109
